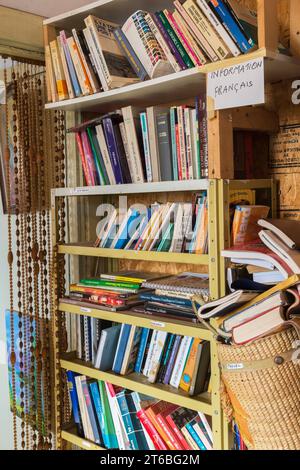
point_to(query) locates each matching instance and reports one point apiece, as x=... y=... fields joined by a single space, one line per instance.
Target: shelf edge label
x=239 y=85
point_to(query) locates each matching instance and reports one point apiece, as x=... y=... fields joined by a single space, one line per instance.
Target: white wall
x=6 y=435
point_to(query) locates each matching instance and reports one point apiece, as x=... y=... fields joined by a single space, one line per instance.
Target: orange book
x=244 y=227
x=152 y=412
x=188 y=371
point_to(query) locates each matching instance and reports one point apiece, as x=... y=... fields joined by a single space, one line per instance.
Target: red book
x=89 y=157
x=178 y=433
x=88 y=179
x=161 y=418
x=151 y=430
x=178 y=153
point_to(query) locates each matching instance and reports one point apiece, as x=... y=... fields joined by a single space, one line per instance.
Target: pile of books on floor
x=254 y=309
x=135 y=145
x=170 y=227
x=104 y=55
x=116 y=418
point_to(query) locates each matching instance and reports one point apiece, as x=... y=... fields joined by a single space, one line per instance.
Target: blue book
x=91 y=413
x=70 y=64
x=121 y=348
x=113 y=150
x=231 y=25
x=139 y=432
x=141 y=351
x=150 y=297
x=194 y=435
x=173 y=118
x=146 y=145
x=74 y=400
x=96 y=400
x=126 y=233
x=130 y=54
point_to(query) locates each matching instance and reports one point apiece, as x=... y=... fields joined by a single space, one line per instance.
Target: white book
x=195 y=140
x=105 y=154
x=166 y=219
x=178 y=234
x=160 y=39
x=88 y=68
x=121 y=228
x=132 y=125
x=110 y=228
x=182 y=146
x=90 y=39
x=146 y=144
x=137 y=404
x=188 y=140
x=206 y=425
x=180 y=361
x=182 y=25
x=156 y=227
x=78 y=338
x=65 y=67
x=78 y=66
x=121 y=434
x=153 y=140
x=146 y=369
x=217 y=25
x=156 y=356
x=199 y=430
x=86 y=423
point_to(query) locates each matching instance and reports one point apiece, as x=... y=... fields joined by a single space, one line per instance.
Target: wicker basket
x=262 y=391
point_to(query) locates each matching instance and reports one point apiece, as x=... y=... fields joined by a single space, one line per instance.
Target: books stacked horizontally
x=116 y=418
x=136 y=145
x=170 y=227
x=113 y=291
x=104 y=55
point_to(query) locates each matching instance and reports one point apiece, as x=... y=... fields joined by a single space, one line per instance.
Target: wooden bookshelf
x=70 y=436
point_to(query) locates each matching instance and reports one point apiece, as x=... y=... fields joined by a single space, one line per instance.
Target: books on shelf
x=117 y=418
x=244 y=227
x=136 y=145
x=103 y=55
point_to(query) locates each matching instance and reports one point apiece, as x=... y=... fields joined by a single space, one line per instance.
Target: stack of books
x=138 y=145
x=116 y=418
x=170 y=227
x=104 y=55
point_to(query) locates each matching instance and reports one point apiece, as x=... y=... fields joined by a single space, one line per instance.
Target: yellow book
x=244 y=227
x=189 y=369
x=216 y=323
x=51 y=80
x=58 y=70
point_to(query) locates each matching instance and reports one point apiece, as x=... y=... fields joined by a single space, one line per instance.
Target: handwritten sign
x=238 y=85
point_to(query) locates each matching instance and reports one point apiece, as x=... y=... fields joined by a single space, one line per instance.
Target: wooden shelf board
x=86 y=250
x=184 y=84
x=142 y=188
x=145 y=321
x=70 y=435
x=140 y=384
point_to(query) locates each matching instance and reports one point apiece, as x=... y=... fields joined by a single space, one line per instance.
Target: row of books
x=136 y=146
x=180 y=361
x=117 y=418
x=170 y=227
x=104 y=55
x=254 y=310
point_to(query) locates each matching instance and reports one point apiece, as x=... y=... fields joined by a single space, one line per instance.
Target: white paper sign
x=238 y=85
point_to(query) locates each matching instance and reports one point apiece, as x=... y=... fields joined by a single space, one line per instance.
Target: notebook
x=193 y=283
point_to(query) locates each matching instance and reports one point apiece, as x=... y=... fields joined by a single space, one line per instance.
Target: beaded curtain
x=35 y=163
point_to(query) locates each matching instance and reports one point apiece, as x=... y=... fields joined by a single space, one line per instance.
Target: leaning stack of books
x=116 y=418
x=104 y=55
x=136 y=145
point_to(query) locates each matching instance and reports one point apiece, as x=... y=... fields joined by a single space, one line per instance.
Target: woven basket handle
x=295 y=323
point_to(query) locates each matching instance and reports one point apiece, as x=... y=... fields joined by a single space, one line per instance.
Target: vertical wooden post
x=220 y=145
x=268 y=27
x=295 y=27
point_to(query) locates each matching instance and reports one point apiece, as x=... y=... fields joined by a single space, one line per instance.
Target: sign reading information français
x=238 y=85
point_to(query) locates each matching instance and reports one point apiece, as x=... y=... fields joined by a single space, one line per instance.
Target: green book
x=108 y=283
x=97 y=157
x=166 y=240
x=176 y=40
x=109 y=428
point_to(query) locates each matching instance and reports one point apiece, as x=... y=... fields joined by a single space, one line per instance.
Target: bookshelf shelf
x=145 y=321
x=85 y=250
x=140 y=384
x=70 y=435
x=187 y=83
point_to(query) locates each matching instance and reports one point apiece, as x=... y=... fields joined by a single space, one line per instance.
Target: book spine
x=130 y=54
x=88 y=179
x=189 y=439
x=190 y=38
x=75 y=403
x=189 y=370
x=102 y=177
x=230 y=24
x=93 y=46
x=83 y=408
x=98 y=408
x=65 y=68
x=155 y=437
x=172 y=359
x=91 y=412
x=182 y=38
x=206 y=29
x=169 y=42
x=86 y=59
x=188 y=139
x=182 y=146
x=100 y=57
x=150 y=353
x=134 y=152
x=219 y=27
x=77 y=65
x=150 y=297
x=127 y=420
x=198 y=36
x=173 y=140
x=89 y=157
x=105 y=154
x=179 y=164
x=121 y=348
x=71 y=67
x=109 y=429
x=112 y=148
x=156 y=356
x=82 y=62
x=180 y=362
x=137 y=426
x=164 y=144
x=61 y=83
x=200 y=430
x=174 y=444
x=152 y=21
x=117 y=418
x=185 y=57
x=195 y=436
x=144 y=126
x=196 y=145
x=177 y=432
x=141 y=351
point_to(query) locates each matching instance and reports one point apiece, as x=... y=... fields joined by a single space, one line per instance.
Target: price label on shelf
x=239 y=85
